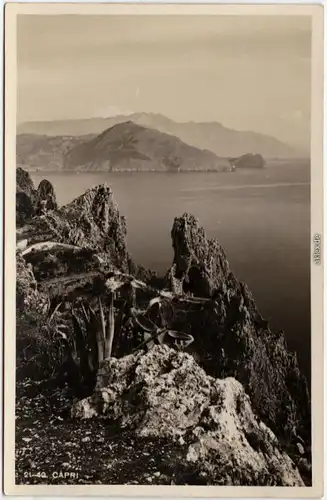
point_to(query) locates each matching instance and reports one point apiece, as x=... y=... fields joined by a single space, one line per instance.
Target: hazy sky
x=249 y=72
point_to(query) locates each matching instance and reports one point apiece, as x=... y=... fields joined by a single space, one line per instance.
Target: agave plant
x=156 y=325
x=56 y=321
x=93 y=334
x=85 y=351
x=97 y=332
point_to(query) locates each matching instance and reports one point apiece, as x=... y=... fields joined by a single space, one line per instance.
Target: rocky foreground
x=165 y=394
x=192 y=363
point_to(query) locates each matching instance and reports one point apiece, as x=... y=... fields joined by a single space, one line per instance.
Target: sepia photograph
x=164 y=199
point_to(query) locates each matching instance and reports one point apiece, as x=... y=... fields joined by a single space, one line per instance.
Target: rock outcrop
x=231 y=337
x=248 y=160
x=91 y=222
x=66 y=249
x=200 y=265
x=164 y=393
x=31 y=202
x=71 y=247
x=24 y=182
x=46 y=197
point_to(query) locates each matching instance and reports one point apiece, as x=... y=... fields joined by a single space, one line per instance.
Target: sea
x=260 y=217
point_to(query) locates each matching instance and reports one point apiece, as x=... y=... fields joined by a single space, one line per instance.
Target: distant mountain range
x=211 y=136
x=131 y=147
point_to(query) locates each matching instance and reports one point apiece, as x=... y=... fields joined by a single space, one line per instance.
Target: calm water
x=261 y=218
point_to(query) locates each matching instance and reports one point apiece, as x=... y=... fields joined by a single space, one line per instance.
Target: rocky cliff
x=165 y=392
x=91 y=222
x=200 y=265
x=232 y=337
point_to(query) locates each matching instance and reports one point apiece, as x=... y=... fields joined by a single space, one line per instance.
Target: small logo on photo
x=317 y=248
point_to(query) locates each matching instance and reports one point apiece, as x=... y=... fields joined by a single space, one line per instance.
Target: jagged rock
x=46 y=197
x=92 y=221
x=71 y=247
x=200 y=265
x=164 y=393
x=24 y=182
x=30 y=201
x=233 y=339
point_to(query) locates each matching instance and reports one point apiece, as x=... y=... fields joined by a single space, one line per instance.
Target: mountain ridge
x=213 y=136
x=132 y=147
